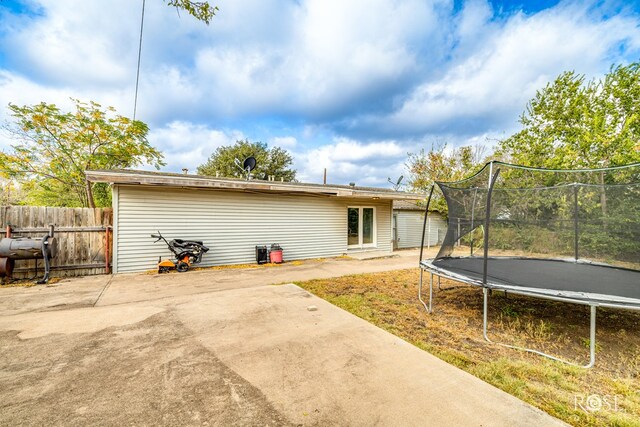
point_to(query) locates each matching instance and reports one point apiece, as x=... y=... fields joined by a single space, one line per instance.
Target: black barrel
x=27 y=248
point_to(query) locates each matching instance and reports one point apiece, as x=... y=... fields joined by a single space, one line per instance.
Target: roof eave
x=221 y=184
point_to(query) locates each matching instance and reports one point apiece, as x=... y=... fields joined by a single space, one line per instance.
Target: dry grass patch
x=454 y=333
x=234 y=267
x=27 y=283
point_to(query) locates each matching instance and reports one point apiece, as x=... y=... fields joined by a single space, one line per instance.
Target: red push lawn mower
x=186 y=252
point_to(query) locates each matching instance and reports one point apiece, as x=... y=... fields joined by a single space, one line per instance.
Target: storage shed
x=232 y=216
x=408 y=219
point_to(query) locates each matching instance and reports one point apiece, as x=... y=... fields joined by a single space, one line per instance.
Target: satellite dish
x=249 y=164
x=396 y=185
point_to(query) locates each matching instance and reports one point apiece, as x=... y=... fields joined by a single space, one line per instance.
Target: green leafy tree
x=273 y=161
x=440 y=164
x=574 y=124
x=201 y=10
x=53 y=148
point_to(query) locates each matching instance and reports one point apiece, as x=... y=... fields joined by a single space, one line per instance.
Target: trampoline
x=564 y=235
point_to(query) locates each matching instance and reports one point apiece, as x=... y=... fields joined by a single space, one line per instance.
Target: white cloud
x=351 y=86
x=283 y=141
x=523 y=55
x=70 y=43
x=322 y=65
x=18 y=90
x=348 y=160
x=188 y=145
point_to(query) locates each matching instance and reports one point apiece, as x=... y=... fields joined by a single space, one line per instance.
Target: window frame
x=374 y=231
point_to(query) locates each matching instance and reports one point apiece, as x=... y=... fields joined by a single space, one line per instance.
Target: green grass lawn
x=608 y=394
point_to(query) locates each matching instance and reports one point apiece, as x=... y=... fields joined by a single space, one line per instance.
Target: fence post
x=107 y=232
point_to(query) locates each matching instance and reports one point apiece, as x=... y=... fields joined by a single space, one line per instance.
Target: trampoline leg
x=426 y=307
x=484 y=313
x=431 y=293
x=592 y=336
x=440 y=288
x=420 y=291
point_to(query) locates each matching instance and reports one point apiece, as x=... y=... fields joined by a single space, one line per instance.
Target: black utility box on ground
x=262 y=256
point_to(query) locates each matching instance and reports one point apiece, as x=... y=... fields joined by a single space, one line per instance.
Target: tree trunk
x=603 y=195
x=92 y=203
x=603 y=202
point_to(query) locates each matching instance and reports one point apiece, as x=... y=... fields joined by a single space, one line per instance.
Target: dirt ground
x=454 y=333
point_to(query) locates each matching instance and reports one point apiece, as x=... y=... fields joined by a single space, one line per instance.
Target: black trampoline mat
x=550 y=275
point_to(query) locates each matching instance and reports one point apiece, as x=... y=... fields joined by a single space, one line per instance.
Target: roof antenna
x=396 y=185
x=247 y=166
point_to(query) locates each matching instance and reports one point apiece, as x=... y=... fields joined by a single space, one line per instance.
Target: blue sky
x=352 y=86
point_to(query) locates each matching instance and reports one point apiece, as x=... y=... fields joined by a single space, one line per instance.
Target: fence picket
x=83 y=245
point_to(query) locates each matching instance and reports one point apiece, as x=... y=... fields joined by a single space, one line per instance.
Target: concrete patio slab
x=245 y=355
x=365 y=255
x=142 y=287
x=65 y=294
x=123 y=288
x=328 y=367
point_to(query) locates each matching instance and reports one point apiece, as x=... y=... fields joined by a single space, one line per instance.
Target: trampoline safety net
x=589 y=216
x=567 y=235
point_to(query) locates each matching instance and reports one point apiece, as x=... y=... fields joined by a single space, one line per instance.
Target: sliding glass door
x=361 y=227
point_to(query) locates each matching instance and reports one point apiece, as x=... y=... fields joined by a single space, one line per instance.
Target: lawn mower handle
x=158 y=237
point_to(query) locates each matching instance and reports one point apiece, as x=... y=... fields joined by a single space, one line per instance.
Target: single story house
x=408 y=220
x=232 y=216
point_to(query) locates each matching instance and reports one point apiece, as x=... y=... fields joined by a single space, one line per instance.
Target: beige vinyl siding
x=409 y=228
x=383 y=224
x=231 y=223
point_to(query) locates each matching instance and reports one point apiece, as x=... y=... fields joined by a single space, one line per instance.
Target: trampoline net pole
x=486 y=226
x=473 y=214
x=575 y=219
x=424 y=225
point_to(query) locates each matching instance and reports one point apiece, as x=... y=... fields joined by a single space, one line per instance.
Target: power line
x=135 y=102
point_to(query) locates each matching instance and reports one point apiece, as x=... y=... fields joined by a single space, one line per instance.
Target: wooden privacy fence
x=83 y=236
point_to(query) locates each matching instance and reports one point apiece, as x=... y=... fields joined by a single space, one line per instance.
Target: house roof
x=411 y=205
x=137 y=177
x=407 y=205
